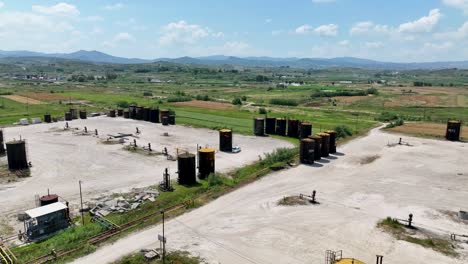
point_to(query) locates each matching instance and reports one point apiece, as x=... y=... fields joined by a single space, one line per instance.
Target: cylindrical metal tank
x=165 y=120
x=154 y=115
x=48 y=199
x=16 y=153
x=2 y=144
x=120 y=112
x=132 y=112
x=463 y=215
x=164 y=112
x=333 y=136
x=259 y=126
x=453 y=130
x=47 y=118
x=112 y=113
x=139 y=113
x=206 y=162
x=225 y=140
x=68 y=116
x=187 y=169
x=305 y=130
x=126 y=114
x=83 y=114
x=325 y=144
x=281 y=127
x=171 y=119
x=146 y=114
x=306 y=151
x=74 y=113
x=293 y=128
x=270 y=126
x=317 y=146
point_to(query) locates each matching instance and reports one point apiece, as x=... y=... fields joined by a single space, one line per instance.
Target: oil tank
x=225 y=140
x=206 y=162
x=164 y=112
x=83 y=114
x=68 y=116
x=139 y=113
x=74 y=113
x=120 y=112
x=259 y=126
x=293 y=128
x=325 y=144
x=146 y=114
x=270 y=125
x=306 y=151
x=47 y=118
x=154 y=115
x=48 y=199
x=171 y=119
x=333 y=137
x=16 y=152
x=281 y=127
x=132 y=112
x=2 y=144
x=112 y=113
x=165 y=120
x=187 y=170
x=453 y=130
x=305 y=130
x=317 y=146
x=126 y=114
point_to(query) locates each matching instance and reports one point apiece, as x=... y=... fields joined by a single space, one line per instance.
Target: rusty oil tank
x=47 y=118
x=259 y=126
x=306 y=151
x=225 y=140
x=187 y=171
x=68 y=116
x=293 y=128
x=120 y=112
x=112 y=113
x=305 y=130
x=333 y=137
x=146 y=114
x=165 y=120
x=164 y=112
x=16 y=153
x=270 y=125
x=48 y=199
x=154 y=115
x=317 y=146
x=171 y=119
x=132 y=112
x=281 y=127
x=74 y=113
x=139 y=113
x=83 y=114
x=126 y=114
x=206 y=162
x=2 y=143
x=325 y=144
x=453 y=130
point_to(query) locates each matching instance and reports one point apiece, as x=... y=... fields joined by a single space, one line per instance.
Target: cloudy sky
x=398 y=30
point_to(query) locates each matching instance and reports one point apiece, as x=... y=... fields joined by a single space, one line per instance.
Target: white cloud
x=94 y=18
x=460 y=34
x=116 y=6
x=330 y=30
x=2 y=4
x=123 y=36
x=344 y=43
x=60 y=9
x=323 y=1
x=424 y=24
x=182 y=32
x=439 y=46
x=218 y=34
x=373 y=45
x=304 y=29
x=461 y=4
x=268 y=20
x=361 y=27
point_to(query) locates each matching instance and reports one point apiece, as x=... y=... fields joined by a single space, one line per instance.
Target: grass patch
x=174 y=257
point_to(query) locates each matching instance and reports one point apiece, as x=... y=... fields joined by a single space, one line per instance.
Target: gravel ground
x=365 y=183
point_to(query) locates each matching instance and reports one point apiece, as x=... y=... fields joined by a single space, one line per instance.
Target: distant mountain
x=220 y=60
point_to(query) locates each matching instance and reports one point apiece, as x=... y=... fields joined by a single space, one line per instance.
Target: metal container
x=132 y=112
x=74 y=113
x=333 y=136
x=463 y=215
x=2 y=144
x=120 y=112
x=281 y=127
x=68 y=116
x=293 y=128
x=48 y=199
x=317 y=146
x=453 y=130
x=171 y=119
x=325 y=144
x=112 y=113
x=126 y=114
x=187 y=170
x=83 y=114
x=306 y=151
x=206 y=162
x=16 y=153
x=259 y=126
x=225 y=140
x=305 y=130
x=165 y=120
x=139 y=113
x=270 y=126
x=47 y=118
x=154 y=115
x=146 y=114
x=163 y=113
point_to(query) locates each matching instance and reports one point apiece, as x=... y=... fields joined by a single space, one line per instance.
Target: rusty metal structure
x=139 y=113
x=46 y=220
x=281 y=127
x=16 y=153
x=187 y=169
x=270 y=126
x=171 y=119
x=154 y=115
x=132 y=111
x=163 y=113
x=68 y=116
x=305 y=130
x=165 y=120
x=333 y=137
x=453 y=130
x=74 y=113
x=146 y=114
x=293 y=128
x=2 y=143
x=259 y=126
x=112 y=113
x=48 y=199
x=225 y=140
x=126 y=114
x=47 y=118
x=120 y=112
x=325 y=144
x=206 y=162
x=317 y=146
x=306 y=151
x=83 y=114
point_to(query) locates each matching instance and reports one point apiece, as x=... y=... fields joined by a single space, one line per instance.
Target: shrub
x=398 y=122
x=280 y=101
x=279 y=155
x=214 y=180
x=203 y=97
x=343 y=131
x=122 y=104
x=262 y=111
x=174 y=99
x=147 y=94
x=237 y=101
x=387 y=117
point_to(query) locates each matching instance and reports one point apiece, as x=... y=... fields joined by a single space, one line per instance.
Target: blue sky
x=400 y=31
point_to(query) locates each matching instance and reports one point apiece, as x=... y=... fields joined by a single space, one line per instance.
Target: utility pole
x=81 y=198
x=164 y=240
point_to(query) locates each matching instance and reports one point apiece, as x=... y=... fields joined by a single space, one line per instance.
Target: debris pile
x=105 y=205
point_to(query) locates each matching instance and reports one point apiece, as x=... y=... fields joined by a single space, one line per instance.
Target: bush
x=147 y=94
x=279 y=155
x=214 y=180
x=203 y=97
x=174 y=99
x=237 y=101
x=280 y=101
x=122 y=104
x=262 y=111
x=343 y=131
x=387 y=117
x=398 y=122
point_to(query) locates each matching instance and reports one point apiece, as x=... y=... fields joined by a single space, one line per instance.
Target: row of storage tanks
x=154 y=115
x=187 y=162
x=16 y=153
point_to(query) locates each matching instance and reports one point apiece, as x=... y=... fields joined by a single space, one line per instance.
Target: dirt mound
x=206 y=104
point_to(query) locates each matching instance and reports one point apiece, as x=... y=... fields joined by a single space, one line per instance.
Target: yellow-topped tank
x=349 y=261
x=206 y=162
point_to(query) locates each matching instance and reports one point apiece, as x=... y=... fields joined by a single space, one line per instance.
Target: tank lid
x=454 y=121
x=306 y=124
x=225 y=130
x=186 y=155
x=323 y=134
x=14 y=142
x=207 y=150
x=49 y=197
x=307 y=140
x=330 y=131
x=260 y=118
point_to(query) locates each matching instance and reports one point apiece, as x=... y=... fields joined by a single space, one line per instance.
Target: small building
x=44 y=221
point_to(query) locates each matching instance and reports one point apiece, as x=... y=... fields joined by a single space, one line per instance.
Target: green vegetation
x=343 y=131
x=398 y=122
x=280 y=101
x=174 y=257
x=292 y=201
x=237 y=101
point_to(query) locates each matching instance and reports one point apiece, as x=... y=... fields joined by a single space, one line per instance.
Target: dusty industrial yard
x=365 y=183
x=60 y=158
